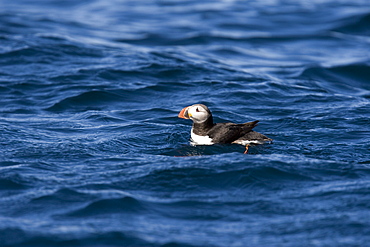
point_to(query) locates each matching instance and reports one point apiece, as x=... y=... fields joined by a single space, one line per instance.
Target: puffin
x=205 y=132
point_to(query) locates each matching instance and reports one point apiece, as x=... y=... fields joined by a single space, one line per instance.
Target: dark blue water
x=93 y=154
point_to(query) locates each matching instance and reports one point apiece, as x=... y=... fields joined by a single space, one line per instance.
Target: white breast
x=200 y=140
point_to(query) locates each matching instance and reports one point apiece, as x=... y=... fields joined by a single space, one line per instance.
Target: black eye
x=197 y=110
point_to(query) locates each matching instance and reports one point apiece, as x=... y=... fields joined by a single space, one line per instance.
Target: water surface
x=93 y=154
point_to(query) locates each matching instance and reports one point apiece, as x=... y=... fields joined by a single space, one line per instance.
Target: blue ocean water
x=93 y=154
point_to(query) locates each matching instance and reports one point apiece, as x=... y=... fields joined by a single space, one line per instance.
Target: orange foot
x=246 y=149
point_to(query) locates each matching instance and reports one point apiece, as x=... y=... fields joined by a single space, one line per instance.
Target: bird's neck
x=204 y=127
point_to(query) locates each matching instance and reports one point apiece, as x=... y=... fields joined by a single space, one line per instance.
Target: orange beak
x=184 y=113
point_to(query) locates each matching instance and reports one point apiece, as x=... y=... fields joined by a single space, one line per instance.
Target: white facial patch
x=198 y=114
x=200 y=140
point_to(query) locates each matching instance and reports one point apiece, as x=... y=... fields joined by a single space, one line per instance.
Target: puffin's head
x=198 y=113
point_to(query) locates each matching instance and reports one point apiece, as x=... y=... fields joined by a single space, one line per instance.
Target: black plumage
x=229 y=132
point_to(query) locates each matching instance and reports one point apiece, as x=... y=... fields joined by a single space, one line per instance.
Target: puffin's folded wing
x=229 y=132
x=245 y=127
